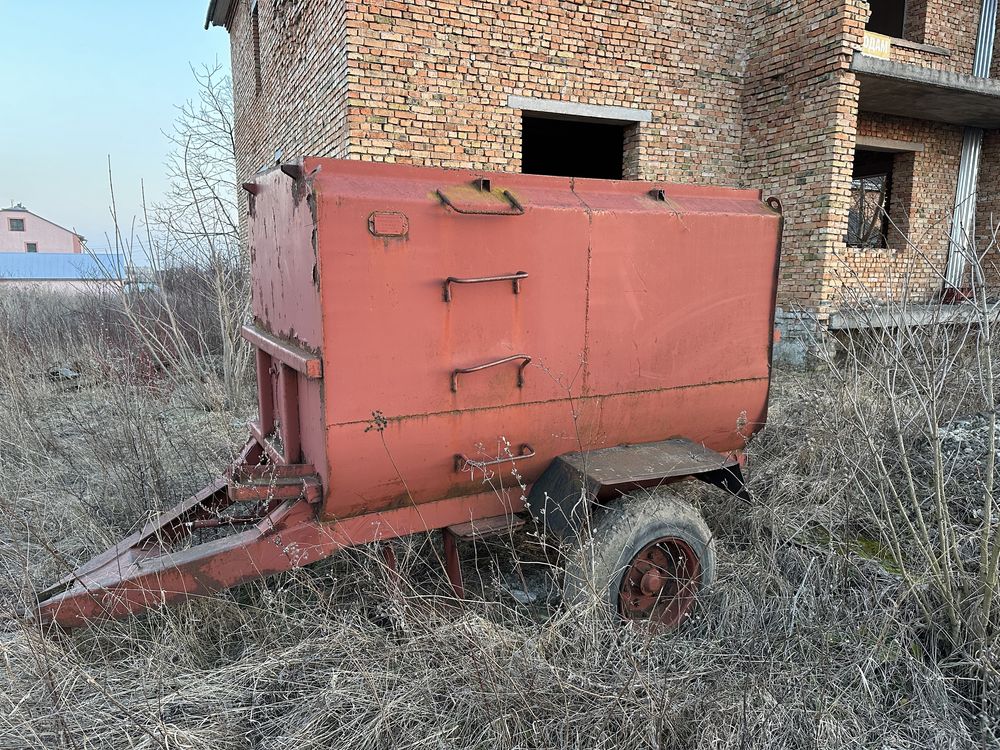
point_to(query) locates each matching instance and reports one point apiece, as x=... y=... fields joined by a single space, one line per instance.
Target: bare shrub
x=800 y=644
x=787 y=651
x=904 y=424
x=93 y=448
x=811 y=637
x=191 y=302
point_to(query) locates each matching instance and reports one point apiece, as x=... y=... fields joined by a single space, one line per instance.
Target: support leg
x=391 y=567
x=453 y=563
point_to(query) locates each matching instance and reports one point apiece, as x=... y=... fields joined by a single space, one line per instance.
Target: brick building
x=856 y=116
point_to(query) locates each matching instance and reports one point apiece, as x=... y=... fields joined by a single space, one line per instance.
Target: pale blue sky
x=87 y=79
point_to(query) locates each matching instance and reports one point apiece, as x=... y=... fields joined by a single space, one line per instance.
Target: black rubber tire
x=620 y=531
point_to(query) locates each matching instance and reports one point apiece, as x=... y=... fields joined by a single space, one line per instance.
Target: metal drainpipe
x=961 y=242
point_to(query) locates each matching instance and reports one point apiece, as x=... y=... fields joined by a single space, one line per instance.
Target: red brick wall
x=952 y=24
x=301 y=108
x=995 y=66
x=753 y=93
x=427 y=82
x=433 y=79
x=949 y=24
x=922 y=197
x=800 y=105
x=988 y=208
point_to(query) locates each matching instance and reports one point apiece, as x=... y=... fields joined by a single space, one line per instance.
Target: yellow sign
x=877 y=45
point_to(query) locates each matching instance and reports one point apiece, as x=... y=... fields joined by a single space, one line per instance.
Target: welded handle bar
x=487 y=365
x=462 y=461
x=516 y=209
x=515 y=278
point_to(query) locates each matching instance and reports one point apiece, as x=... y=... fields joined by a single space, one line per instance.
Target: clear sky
x=87 y=79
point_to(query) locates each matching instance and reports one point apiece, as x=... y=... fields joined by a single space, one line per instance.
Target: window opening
x=871 y=185
x=572 y=148
x=888 y=17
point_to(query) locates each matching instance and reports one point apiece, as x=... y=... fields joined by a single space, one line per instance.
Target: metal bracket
x=479 y=198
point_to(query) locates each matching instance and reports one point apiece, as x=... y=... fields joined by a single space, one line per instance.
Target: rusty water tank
x=430 y=342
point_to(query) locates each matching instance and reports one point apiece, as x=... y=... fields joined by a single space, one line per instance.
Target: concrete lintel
x=873 y=143
x=895 y=88
x=932 y=49
x=576 y=110
x=912 y=315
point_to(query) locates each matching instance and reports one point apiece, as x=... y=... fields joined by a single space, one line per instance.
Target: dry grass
x=810 y=639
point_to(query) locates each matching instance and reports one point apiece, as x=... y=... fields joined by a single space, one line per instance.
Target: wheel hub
x=652 y=583
x=661 y=583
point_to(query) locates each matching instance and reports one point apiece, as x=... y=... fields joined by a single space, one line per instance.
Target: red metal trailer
x=442 y=349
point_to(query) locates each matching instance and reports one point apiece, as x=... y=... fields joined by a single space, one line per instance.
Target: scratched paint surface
x=644 y=319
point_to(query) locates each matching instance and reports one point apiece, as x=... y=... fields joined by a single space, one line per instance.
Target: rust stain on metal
x=301 y=360
x=480 y=199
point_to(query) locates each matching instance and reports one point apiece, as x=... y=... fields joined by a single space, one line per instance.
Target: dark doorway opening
x=572 y=148
x=888 y=17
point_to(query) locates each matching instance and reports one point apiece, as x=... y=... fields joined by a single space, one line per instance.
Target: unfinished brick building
x=856 y=116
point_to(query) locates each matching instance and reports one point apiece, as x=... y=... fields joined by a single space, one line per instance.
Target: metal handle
x=462 y=461
x=516 y=209
x=494 y=363
x=512 y=277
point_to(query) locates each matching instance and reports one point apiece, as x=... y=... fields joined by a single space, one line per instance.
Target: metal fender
x=561 y=498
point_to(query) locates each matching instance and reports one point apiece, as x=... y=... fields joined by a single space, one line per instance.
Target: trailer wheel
x=647 y=558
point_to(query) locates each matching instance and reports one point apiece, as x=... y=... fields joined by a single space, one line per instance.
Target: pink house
x=24 y=232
